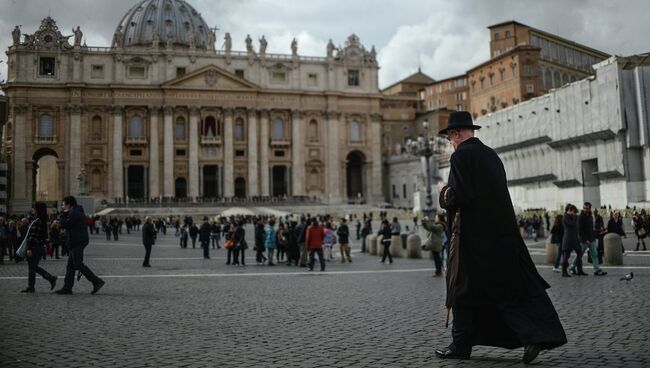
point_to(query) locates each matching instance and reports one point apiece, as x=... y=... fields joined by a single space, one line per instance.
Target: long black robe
x=494 y=274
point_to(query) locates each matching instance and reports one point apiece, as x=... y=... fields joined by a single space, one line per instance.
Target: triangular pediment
x=210 y=77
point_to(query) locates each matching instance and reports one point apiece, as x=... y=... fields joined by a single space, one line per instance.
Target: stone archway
x=355 y=175
x=240 y=187
x=46 y=175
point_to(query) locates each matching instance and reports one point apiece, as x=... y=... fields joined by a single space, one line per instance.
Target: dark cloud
x=444 y=37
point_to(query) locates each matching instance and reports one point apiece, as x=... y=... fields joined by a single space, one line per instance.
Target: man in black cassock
x=494 y=291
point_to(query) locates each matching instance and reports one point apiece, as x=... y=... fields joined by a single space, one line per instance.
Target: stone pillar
x=371 y=244
x=229 y=170
x=373 y=188
x=264 y=153
x=613 y=249
x=20 y=175
x=414 y=246
x=333 y=168
x=168 y=152
x=396 y=246
x=74 y=148
x=118 y=149
x=297 y=154
x=154 y=155
x=193 y=168
x=253 y=173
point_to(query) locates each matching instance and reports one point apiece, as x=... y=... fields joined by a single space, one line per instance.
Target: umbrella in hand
x=628 y=277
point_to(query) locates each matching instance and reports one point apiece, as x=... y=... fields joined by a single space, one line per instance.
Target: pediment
x=210 y=77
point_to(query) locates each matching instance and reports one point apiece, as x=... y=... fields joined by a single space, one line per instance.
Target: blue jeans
x=558 y=257
x=593 y=249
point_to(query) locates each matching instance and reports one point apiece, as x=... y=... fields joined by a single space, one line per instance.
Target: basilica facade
x=163 y=113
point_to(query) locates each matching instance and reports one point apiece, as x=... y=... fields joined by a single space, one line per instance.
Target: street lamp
x=426 y=146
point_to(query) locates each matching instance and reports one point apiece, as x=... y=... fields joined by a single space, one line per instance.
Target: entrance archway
x=210 y=182
x=279 y=181
x=135 y=185
x=181 y=188
x=46 y=176
x=240 y=188
x=354 y=173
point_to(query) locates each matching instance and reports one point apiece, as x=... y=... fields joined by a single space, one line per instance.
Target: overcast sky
x=444 y=37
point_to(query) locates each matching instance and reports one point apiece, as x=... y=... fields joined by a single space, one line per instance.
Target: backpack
x=330 y=238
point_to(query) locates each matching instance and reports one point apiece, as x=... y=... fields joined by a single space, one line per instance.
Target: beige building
x=162 y=113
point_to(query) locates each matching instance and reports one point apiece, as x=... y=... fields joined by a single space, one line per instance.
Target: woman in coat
x=148 y=239
x=36 y=240
x=435 y=233
x=570 y=240
x=270 y=241
x=385 y=242
x=639 y=222
x=293 y=250
x=557 y=233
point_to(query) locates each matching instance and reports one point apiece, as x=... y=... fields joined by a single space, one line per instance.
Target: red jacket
x=315 y=235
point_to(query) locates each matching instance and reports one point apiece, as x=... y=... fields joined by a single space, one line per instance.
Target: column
x=74 y=149
x=375 y=185
x=154 y=156
x=118 y=149
x=168 y=152
x=333 y=164
x=264 y=153
x=228 y=170
x=193 y=168
x=20 y=175
x=253 y=174
x=297 y=157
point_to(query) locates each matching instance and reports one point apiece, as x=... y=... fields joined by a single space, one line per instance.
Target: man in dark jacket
x=343 y=234
x=587 y=237
x=301 y=235
x=259 y=241
x=204 y=236
x=493 y=288
x=148 y=239
x=73 y=220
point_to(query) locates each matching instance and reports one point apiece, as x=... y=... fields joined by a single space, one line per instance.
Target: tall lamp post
x=426 y=146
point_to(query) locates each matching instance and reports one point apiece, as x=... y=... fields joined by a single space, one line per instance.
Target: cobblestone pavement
x=189 y=312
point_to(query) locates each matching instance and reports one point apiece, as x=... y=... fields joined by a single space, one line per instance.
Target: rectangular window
x=135 y=152
x=180 y=71
x=136 y=72
x=312 y=80
x=496 y=36
x=239 y=73
x=240 y=153
x=507 y=34
x=47 y=66
x=353 y=78
x=430 y=105
x=97 y=72
x=440 y=88
x=464 y=96
x=530 y=88
x=278 y=77
x=502 y=74
x=279 y=153
x=180 y=152
x=528 y=69
x=394 y=192
x=404 y=190
x=459 y=107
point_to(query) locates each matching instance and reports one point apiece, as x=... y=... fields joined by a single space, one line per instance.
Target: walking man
x=493 y=288
x=587 y=237
x=204 y=237
x=148 y=240
x=343 y=232
x=73 y=220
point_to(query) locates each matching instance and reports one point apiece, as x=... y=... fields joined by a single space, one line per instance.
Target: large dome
x=168 y=19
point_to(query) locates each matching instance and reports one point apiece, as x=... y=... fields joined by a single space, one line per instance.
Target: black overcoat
x=494 y=265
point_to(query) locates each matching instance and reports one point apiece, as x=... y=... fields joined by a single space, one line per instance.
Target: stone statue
x=228 y=42
x=212 y=37
x=77 y=36
x=249 y=44
x=156 y=40
x=170 y=41
x=373 y=54
x=118 y=38
x=29 y=39
x=192 y=40
x=330 y=49
x=16 y=35
x=83 y=181
x=263 y=45
x=294 y=47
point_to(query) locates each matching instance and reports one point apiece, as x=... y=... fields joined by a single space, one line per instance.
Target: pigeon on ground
x=628 y=277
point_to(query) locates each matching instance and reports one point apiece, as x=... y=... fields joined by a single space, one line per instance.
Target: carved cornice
x=252 y=112
x=296 y=114
x=169 y=110
x=154 y=109
x=227 y=112
x=21 y=108
x=332 y=115
x=264 y=113
x=73 y=109
x=194 y=110
x=375 y=117
x=116 y=109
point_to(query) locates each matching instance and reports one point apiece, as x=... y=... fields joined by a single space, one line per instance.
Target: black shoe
x=600 y=273
x=530 y=353
x=64 y=292
x=450 y=354
x=271 y=264
x=98 y=285
x=53 y=282
x=28 y=290
x=146 y=265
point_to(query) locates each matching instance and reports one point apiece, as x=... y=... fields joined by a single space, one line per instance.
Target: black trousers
x=76 y=263
x=237 y=251
x=312 y=259
x=33 y=268
x=4 y=246
x=205 y=244
x=386 y=252
x=259 y=254
x=147 y=254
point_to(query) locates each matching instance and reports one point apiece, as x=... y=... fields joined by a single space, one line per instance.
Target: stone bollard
x=380 y=246
x=396 y=246
x=551 y=251
x=613 y=249
x=542 y=231
x=414 y=246
x=371 y=244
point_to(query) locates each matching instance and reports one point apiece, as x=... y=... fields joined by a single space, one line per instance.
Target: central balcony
x=283 y=142
x=136 y=141
x=45 y=140
x=210 y=141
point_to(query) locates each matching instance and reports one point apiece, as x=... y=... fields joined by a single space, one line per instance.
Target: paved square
x=190 y=312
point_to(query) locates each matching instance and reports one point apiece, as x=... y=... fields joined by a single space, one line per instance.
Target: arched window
x=557 y=82
x=180 y=129
x=239 y=129
x=210 y=127
x=548 y=79
x=355 y=131
x=136 y=128
x=278 y=129
x=313 y=131
x=96 y=127
x=96 y=180
x=45 y=126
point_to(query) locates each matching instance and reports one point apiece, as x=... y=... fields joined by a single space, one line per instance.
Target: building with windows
x=160 y=113
x=451 y=94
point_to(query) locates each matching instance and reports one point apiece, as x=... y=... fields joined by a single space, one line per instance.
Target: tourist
x=493 y=288
x=183 y=236
x=259 y=241
x=55 y=239
x=557 y=233
x=301 y=236
x=435 y=239
x=365 y=231
x=599 y=225
x=239 y=244
x=72 y=220
x=570 y=240
x=385 y=231
x=215 y=235
x=36 y=247
x=343 y=233
x=328 y=241
x=314 y=242
x=204 y=237
x=395 y=227
x=148 y=239
x=587 y=238
x=640 y=229
x=293 y=249
x=4 y=240
x=281 y=241
x=194 y=232
x=270 y=241
x=358 y=227
x=615 y=226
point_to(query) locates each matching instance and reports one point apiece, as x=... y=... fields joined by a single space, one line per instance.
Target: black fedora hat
x=459 y=120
